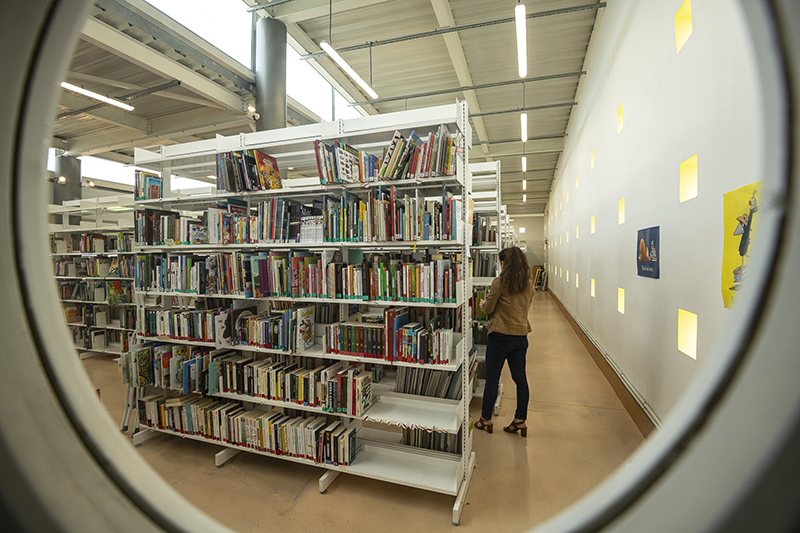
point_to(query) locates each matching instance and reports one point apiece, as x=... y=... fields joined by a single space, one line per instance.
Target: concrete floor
x=578 y=434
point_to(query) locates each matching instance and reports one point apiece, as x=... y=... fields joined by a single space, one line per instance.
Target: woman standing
x=507 y=308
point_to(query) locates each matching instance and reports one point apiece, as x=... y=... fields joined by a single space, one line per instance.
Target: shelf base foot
x=461 y=497
x=143 y=435
x=221 y=457
x=326 y=480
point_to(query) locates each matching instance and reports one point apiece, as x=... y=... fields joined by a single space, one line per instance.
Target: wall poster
x=647 y=252
x=740 y=208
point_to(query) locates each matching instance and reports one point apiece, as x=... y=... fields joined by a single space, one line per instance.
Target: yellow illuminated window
x=619 y=118
x=621 y=300
x=621 y=211
x=591 y=229
x=591 y=290
x=567 y=275
x=576 y=280
x=567 y=196
x=577 y=182
x=687 y=333
x=567 y=236
x=683 y=25
x=688 y=179
x=577 y=232
x=591 y=160
x=560 y=239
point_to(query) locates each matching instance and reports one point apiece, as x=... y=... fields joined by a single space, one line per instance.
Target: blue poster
x=647 y=252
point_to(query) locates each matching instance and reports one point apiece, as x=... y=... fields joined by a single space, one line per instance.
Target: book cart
x=487 y=204
x=381 y=453
x=93 y=269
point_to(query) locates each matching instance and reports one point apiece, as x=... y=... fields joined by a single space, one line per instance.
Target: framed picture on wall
x=647 y=252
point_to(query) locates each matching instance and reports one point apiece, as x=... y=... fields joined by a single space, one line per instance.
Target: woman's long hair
x=516 y=270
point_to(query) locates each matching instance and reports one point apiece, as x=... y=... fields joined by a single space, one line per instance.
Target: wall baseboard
x=632 y=405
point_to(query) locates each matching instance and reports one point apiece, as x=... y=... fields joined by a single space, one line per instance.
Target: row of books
x=93 y=243
x=484 y=264
x=478 y=294
x=111 y=292
x=289 y=330
x=410 y=158
x=480 y=333
x=311 y=438
x=247 y=170
x=391 y=339
x=484 y=230
x=439 y=441
x=147 y=186
x=336 y=388
x=403 y=277
x=433 y=383
x=384 y=215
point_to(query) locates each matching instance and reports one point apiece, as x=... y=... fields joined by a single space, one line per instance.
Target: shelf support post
x=326 y=480
x=224 y=455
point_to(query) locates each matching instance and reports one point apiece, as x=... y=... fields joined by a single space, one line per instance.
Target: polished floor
x=578 y=434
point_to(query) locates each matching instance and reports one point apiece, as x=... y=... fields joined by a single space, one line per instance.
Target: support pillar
x=270 y=71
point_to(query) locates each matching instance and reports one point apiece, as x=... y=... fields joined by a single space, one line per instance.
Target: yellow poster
x=740 y=208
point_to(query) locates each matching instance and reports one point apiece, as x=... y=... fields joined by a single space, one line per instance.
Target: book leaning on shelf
x=147 y=186
x=305 y=437
x=247 y=170
x=411 y=158
x=400 y=276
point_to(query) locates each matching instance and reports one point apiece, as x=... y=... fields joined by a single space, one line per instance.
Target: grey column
x=70 y=168
x=270 y=70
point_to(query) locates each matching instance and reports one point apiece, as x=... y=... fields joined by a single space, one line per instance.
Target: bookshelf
x=488 y=204
x=92 y=253
x=412 y=264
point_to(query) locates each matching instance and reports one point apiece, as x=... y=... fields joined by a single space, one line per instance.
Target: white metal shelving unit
x=104 y=214
x=491 y=206
x=380 y=455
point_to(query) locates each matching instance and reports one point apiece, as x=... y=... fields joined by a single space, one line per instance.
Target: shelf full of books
x=486 y=243
x=309 y=319
x=93 y=269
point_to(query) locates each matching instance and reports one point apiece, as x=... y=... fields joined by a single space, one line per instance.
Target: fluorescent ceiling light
x=347 y=68
x=524 y=163
x=523 y=126
x=524 y=198
x=524 y=185
x=90 y=94
x=522 y=44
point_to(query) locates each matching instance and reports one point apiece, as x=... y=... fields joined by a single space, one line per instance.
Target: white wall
x=702 y=100
x=533 y=237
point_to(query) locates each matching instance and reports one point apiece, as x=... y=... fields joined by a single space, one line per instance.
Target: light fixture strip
x=522 y=41
x=523 y=126
x=347 y=68
x=524 y=185
x=524 y=198
x=524 y=163
x=94 y=95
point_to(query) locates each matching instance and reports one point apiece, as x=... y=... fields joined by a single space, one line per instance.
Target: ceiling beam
x=300 y=10
x=544 y=146
x=444 y=16
x=147 y=18
x=164 y=129
x=117 y=117
x=474 y=87
x=114 y=41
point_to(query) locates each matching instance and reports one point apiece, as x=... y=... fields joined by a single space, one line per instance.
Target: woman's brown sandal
x=482 y=424
x=513 y=427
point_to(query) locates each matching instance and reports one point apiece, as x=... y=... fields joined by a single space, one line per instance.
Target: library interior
x=264 y=261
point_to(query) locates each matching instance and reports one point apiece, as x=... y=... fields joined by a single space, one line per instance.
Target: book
x=305 y=328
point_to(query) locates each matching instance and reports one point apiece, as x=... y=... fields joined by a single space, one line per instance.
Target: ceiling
x=127 y=47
